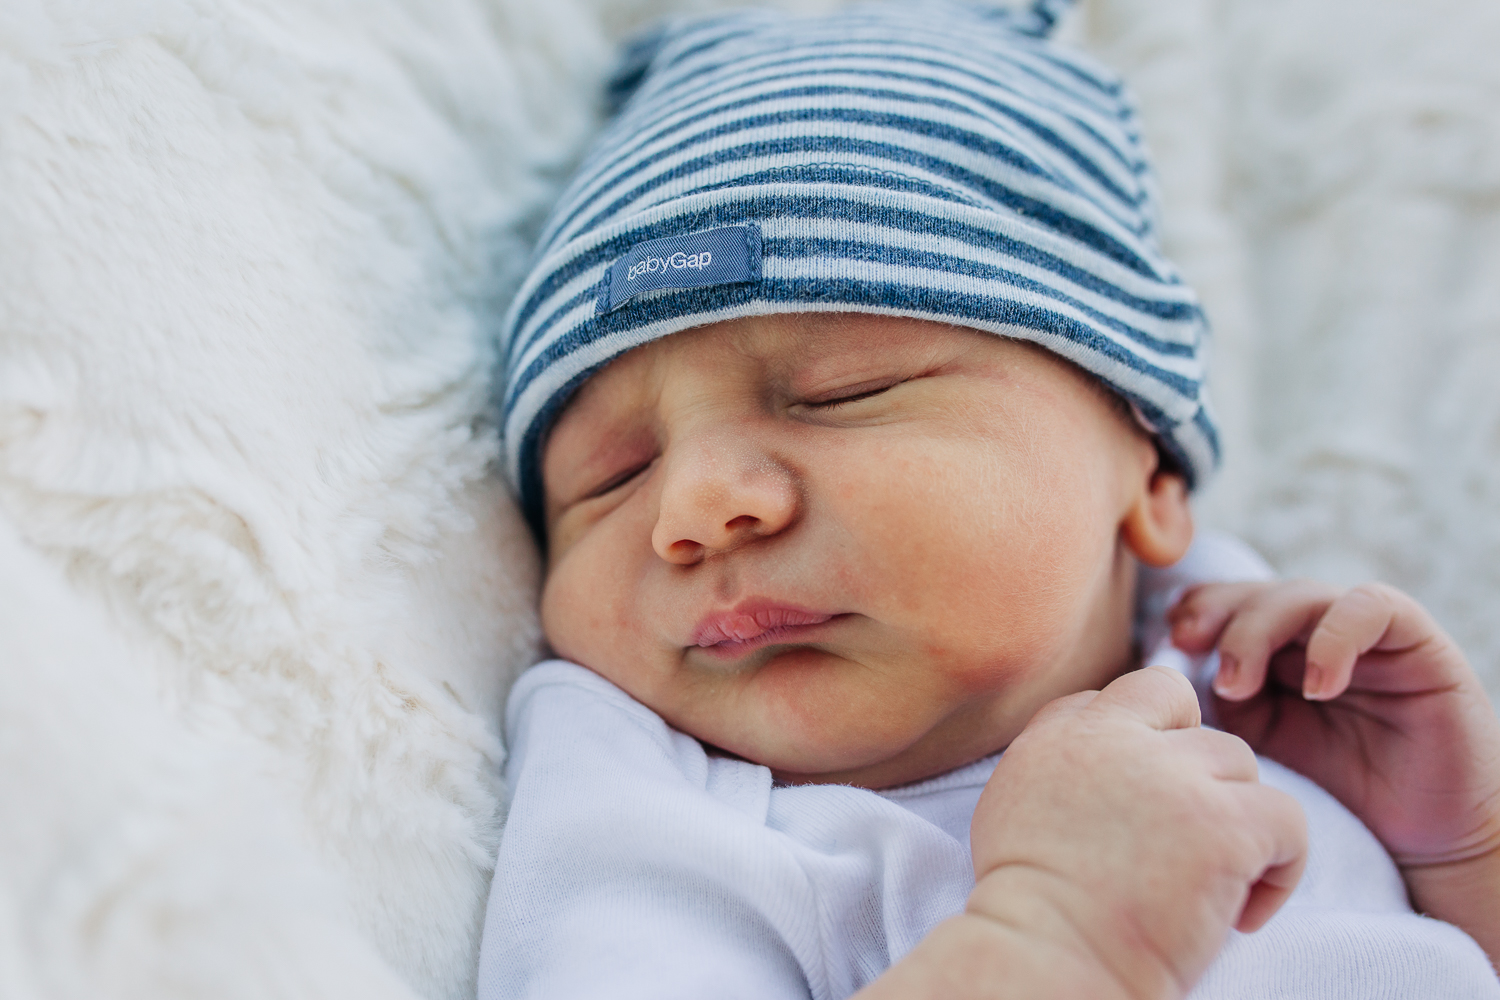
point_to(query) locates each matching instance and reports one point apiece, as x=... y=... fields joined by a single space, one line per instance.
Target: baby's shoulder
x=570 y=729
x=558 y=687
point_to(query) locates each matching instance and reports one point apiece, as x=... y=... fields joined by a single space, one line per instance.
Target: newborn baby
x=851 y=394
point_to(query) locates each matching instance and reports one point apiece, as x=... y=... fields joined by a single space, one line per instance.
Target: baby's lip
x=754 y=623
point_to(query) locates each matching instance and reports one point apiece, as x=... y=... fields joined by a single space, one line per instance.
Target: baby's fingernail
x=1224 y=679
x=1312 y=683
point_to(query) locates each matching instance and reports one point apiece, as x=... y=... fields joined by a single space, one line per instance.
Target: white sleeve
x=632 y=864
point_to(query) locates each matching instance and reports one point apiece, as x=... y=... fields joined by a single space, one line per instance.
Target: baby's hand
x=1361 y=691
x=1114 y=846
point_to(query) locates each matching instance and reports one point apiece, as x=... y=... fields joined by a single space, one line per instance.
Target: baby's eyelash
x=615 y=482
x=828 y=404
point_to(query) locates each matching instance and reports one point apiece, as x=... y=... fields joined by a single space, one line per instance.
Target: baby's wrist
x=972 y=957
x=1069 y=933
x=1465 y=893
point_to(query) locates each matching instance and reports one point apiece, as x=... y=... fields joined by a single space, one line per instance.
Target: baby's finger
x=1225 y=756
x=1059 y=707
x=1371 y=616
x=1201 y=613
x=1266 y=622
x=1158 y=696
x=1283 y=845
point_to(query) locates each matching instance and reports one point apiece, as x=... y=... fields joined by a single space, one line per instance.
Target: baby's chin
x=871 y=767
x=890 y=772
x=875 y=754
x=854 y=751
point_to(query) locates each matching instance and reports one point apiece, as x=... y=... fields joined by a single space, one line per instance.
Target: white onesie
x=636 y=865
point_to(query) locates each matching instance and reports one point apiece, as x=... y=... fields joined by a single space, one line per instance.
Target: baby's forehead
x=794 y=344
x=797 y=352
x=795 y=358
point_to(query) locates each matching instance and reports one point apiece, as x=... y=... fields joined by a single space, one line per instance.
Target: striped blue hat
x=936 y=161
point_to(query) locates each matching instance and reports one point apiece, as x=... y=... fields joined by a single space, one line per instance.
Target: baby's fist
x=1116 y=822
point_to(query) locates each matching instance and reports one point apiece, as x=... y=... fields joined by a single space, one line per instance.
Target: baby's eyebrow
x=592 y=446
x=608 y=447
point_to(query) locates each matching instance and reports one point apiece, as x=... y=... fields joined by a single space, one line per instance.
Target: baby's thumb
x=1059 y=708
x=1158 y=696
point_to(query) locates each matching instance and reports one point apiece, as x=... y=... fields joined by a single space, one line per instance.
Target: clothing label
x=698 y=260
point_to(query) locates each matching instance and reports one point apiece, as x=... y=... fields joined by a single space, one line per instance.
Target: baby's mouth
x=754 y=624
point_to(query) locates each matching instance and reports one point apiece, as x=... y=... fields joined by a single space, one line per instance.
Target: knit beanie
x=933 y=160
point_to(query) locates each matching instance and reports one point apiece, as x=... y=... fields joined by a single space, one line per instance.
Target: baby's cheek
x=560 y=613
x=1024 y=572
x=582 y=615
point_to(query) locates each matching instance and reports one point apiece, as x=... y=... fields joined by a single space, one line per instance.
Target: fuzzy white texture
x=260 y=597
x=1331 y=183
x=249 y=258
x=140 y=858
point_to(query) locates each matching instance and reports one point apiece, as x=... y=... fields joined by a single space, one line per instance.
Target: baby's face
x=852 y=548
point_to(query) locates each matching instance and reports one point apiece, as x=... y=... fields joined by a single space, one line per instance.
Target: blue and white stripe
x=935 y=161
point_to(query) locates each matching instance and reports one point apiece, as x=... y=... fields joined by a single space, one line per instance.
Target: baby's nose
x=719 y=492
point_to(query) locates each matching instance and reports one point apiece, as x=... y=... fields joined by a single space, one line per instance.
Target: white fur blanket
x=260 y=597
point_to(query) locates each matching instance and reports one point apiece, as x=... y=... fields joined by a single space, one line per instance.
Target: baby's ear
x=1158 y=527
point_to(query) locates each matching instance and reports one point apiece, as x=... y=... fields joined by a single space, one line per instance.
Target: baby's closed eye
x=617 y=480
x=853 y=394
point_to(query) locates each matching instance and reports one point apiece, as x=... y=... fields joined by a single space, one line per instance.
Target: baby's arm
x=1361 y=691
x=1114 y=847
